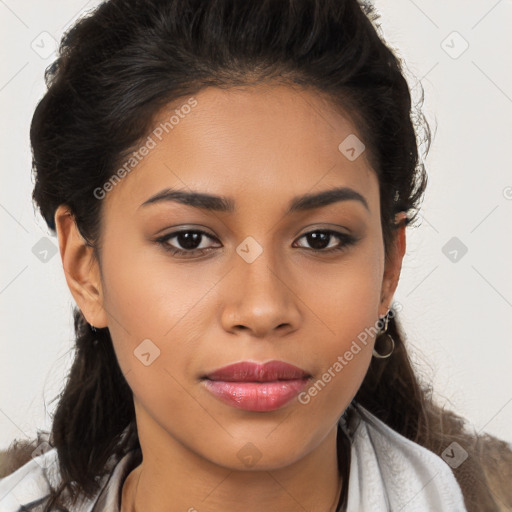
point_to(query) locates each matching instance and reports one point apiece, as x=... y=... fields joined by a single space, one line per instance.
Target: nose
x=259 y=298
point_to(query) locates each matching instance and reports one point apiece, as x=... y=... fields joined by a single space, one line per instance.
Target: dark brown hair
x=117 y=67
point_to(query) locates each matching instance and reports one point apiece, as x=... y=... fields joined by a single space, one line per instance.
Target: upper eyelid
x=189 y=230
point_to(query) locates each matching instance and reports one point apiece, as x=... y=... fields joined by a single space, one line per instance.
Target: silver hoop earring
x=384 y=331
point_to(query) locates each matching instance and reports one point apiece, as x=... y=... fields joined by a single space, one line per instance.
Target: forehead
x=254 y=144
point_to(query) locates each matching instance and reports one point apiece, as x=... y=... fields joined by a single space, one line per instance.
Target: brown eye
x=321 y=240
x=188 y=241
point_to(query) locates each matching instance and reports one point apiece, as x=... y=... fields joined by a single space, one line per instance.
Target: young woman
x=230 y=184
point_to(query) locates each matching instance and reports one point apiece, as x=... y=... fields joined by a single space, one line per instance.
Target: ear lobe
x=81 y=269
x=393 y=264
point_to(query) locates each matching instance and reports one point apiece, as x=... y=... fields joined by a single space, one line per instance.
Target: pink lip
x=256 y=387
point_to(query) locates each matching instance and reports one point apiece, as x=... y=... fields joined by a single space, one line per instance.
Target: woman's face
x=248 y=284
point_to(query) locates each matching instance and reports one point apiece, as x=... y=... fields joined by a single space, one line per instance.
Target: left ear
x=393 y=264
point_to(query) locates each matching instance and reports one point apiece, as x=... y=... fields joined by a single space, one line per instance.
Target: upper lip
x=248 y=371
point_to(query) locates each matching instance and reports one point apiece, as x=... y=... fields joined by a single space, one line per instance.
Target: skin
x=261 y=146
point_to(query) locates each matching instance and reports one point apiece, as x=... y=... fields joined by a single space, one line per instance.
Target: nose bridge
x=257 y=267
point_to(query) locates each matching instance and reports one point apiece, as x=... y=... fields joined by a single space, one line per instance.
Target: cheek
x=347 y=303
x=146 y=296
x=346 y=295
x=152 y=308
x=342 y=354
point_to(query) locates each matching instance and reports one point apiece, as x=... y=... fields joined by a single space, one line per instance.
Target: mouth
x=256 y=387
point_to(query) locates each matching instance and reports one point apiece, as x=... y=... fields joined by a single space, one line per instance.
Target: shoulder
x=402 y=474
x=496 y=457
x=29 y=484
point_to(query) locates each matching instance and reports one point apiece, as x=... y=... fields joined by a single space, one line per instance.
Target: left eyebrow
x=325 y=198
x=225 y=204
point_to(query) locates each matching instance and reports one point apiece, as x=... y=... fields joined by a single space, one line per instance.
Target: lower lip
x=256 y=396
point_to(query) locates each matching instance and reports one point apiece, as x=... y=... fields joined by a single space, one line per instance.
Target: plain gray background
x=457 y=308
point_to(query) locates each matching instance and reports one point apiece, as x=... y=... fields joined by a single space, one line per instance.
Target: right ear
x=81 y=268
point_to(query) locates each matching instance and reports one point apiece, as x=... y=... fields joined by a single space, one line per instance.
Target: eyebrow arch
x=225 y=204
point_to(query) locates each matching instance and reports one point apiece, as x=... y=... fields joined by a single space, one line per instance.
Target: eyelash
x=346 y=241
